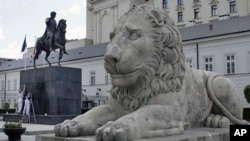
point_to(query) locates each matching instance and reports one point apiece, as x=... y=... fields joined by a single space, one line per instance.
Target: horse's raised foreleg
x=46 y=57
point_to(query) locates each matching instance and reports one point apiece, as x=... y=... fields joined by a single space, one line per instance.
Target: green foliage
x=247 y=93
x=13 y=125
x=15 y=105
x=6 y=105
x=246 y=114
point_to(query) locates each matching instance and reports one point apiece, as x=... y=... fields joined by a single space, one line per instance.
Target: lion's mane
x=165 y=72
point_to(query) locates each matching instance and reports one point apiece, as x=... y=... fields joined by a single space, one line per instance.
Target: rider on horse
x=51 y=27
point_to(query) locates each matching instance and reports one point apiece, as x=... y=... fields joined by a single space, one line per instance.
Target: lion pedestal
x=56 y=91
x=204 y=134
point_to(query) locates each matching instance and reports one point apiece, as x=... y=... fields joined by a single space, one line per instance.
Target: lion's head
x=144 y=57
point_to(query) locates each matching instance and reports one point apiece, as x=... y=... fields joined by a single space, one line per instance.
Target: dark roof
x=219 y=28
x=74 y=54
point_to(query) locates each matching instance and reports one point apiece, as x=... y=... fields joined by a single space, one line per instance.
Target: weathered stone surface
x=40 y=119
x=154 y=92
x=200 y=134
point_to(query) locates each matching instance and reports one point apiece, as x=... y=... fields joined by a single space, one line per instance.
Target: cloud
x=75 y=9
x=84 y=3
x=13 y=50
x=77 y=32
x=1 y=33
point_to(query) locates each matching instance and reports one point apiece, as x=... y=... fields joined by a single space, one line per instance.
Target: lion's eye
x=134 y=36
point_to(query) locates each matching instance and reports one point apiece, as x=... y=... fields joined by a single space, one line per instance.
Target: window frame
x=15 y=84
x=106 y=77
x=232 y=6
x=209 y=64
x=92 y=77
x=231 y=62
x=165 y=4
x=248 y=60
x=8 y=85
x=180 y=16
x=197 y=13
x=179 y=2
x=214 y=10
x=3 y=85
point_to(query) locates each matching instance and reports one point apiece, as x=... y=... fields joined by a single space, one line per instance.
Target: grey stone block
x=199 y=134
x=55 y=90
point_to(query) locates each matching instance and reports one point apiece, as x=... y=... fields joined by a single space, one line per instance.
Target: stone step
x=199 y=134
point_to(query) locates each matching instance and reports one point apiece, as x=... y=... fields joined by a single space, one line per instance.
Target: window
x=214 y=10
x=92 y=78
x=232 y=7
x=165 y=3
x=208 y=61
x=2 y=101
x=197 y=13
x=8 y=82
x=106 y=78
x=15 y=84
x=179 y=2
x=190 y=62
x=230 y=64
x=248 y=62
x=3 y=86
x=180 y=16
x=196 y=1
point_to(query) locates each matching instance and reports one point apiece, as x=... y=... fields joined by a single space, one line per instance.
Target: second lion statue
x=154 y=92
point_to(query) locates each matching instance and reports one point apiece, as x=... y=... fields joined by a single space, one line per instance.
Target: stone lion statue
x=154 y=92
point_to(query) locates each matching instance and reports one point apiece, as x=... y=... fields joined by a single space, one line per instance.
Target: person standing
x=26 y=109
x=20 y=101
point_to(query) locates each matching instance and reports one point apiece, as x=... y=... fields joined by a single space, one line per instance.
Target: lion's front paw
x=217 y=121
x=114 y=131
x=68 y=128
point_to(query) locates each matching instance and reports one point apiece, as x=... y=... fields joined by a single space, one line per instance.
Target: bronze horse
x=58 y=42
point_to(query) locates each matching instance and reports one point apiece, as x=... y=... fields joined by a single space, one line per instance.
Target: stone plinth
x=40 y=119
x=55 y=90
x=199 y=134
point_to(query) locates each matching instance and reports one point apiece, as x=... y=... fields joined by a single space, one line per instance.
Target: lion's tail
x=211 y=94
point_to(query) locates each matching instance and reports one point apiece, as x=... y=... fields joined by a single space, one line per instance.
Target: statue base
x=40 y=119
x=55 y=90
x=204 y=134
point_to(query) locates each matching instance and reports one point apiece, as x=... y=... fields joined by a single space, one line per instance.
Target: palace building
x=215 y=35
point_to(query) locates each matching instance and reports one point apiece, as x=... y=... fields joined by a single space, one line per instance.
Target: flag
x=24 y=45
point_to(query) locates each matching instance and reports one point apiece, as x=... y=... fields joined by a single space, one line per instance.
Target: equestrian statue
x=52 y=39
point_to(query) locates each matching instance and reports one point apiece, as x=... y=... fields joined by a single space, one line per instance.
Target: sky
x=27 y=17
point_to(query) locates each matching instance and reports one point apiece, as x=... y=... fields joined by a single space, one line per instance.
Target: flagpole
x=25 y=53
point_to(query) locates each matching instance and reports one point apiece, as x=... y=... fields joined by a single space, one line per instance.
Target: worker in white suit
x=26 y=109
x=20 y=101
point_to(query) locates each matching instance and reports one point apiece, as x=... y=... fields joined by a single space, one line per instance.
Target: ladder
x=31 y=112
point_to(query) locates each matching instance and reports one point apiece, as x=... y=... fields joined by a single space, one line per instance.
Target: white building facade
x=103 y=15
x=214 y=45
